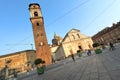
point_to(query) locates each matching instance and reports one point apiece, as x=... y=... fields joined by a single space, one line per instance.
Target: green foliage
x=95 y=44
x=40 y=70
x=98 y=51
x=78 y=51
x=43 y=62
x=38 y=61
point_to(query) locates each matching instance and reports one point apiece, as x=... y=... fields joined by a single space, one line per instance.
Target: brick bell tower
x=42 y=48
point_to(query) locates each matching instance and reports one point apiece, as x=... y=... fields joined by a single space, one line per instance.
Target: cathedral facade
x=70 y=44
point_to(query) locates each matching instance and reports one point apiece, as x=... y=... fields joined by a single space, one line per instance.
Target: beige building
x=18 y=60
x=71 y=43
x=109 y=34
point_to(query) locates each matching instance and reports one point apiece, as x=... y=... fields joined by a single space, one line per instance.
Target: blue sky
x=60 y=16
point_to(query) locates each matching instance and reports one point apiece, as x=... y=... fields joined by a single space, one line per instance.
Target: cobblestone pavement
x=104 y=66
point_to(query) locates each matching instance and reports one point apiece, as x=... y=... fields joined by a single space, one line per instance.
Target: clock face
x=41 y=43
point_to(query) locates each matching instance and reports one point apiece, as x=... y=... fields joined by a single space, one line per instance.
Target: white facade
x=72 y=42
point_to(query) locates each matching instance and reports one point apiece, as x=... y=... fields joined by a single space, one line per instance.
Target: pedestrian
x=15 y=75
x=111 y=46
x=86 y=51
x=73 y=57
x=27 y=71
x=89 y=52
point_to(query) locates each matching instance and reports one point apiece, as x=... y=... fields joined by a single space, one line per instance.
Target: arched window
x=73 y=36
x=78 y=35
x=37 y=34
x=35 y=14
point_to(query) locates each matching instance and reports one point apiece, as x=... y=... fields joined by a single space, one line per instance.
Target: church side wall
x=60 y=53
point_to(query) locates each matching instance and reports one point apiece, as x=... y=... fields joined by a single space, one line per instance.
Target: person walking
x=86 y=51
x=15 y=75
x=89 y=52
x=73 y=58
x=111 y=46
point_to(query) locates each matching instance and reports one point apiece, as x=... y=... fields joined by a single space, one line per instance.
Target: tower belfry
x=42 y=47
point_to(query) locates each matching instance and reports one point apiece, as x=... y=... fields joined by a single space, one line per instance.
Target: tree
x=40 y=69
x=38 y=61
x=43 y=62
x=97 y=48
x=95 y=44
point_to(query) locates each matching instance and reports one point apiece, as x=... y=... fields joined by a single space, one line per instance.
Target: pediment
x=74 y=34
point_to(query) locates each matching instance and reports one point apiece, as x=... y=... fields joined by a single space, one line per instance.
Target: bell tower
x=42 y=48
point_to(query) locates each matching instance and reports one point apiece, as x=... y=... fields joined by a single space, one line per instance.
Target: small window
x=79 y=47
x=37 y=35
x=37 y=24
x=41 y=34
x=35 y=14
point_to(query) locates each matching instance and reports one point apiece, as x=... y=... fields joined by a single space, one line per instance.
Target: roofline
x=69 y=32
x=34 y=4
x=10 y=54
